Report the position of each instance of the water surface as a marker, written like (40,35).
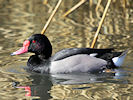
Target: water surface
(19,19)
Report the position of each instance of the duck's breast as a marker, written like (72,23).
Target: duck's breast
(77,63)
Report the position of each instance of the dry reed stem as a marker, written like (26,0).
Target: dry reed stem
(124,3)
(74,7)
(90,3)
(51,17)
(45,2)
(100,24)
(98,4)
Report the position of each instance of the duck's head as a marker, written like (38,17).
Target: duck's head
(38,44)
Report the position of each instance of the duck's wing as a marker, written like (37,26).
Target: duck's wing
(78,63)
(74,51)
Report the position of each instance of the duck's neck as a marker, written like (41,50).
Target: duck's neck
(44,57)
(36,62)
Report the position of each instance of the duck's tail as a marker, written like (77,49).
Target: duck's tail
(118,61)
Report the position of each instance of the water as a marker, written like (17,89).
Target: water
(20,19)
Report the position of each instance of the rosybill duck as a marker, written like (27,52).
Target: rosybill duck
(70,60)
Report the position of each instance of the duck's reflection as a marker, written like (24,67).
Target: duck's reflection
(39,88)
(42,83)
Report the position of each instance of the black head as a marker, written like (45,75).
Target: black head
(38,44)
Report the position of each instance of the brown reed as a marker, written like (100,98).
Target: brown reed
(100,24)
(51,17)
(74,7)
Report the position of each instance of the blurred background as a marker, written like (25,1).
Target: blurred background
(19,19)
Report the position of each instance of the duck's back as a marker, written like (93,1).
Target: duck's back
(75,51)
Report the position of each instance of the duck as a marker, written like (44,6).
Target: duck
(69,60)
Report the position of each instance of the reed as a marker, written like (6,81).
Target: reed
(45,2)
(51,17)
(98,4)
(74,7)
(100,24)
(124,3)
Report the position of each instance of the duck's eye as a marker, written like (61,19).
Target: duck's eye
(33,41)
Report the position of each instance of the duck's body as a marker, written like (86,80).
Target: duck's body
(72,60)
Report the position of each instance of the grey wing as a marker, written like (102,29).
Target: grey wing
(75,51)
(78,63)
